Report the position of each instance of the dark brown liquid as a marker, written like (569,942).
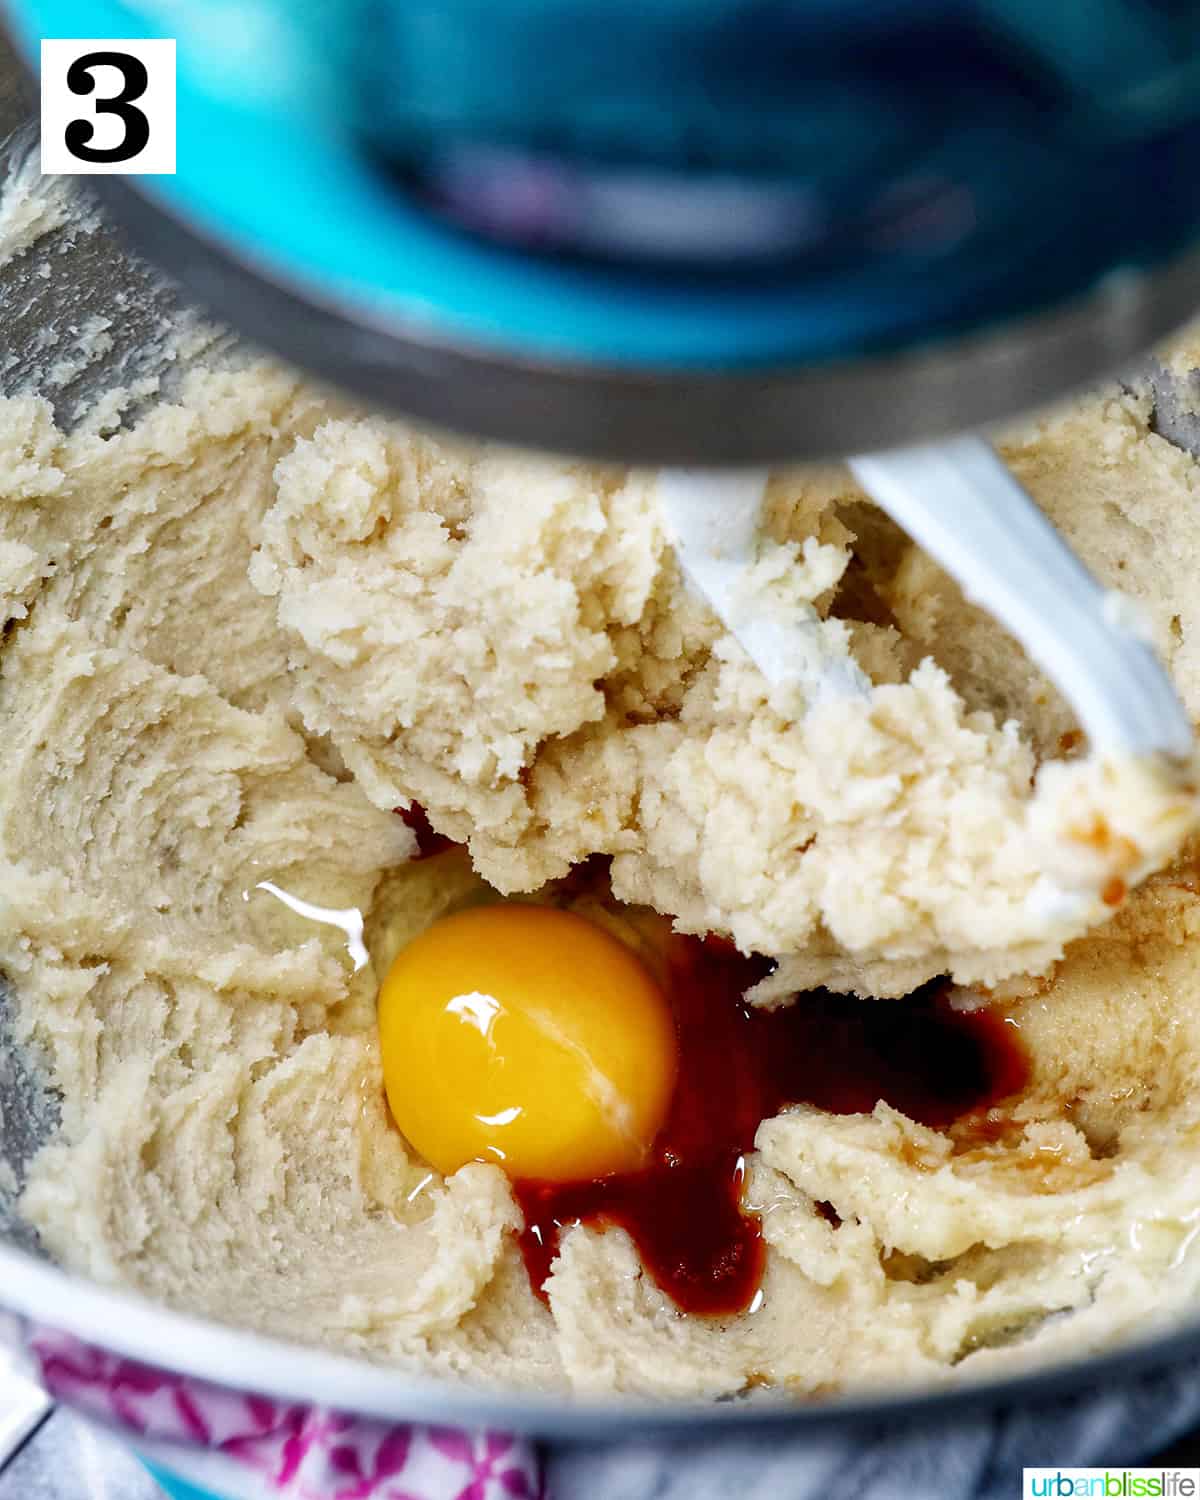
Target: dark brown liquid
(737,1067)
(429,841)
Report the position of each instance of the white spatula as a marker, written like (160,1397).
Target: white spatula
(963,506)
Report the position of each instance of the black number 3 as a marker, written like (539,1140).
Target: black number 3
(134,83)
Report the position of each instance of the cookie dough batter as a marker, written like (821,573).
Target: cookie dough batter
(242,632)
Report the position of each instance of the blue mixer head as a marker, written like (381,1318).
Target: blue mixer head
(716,231)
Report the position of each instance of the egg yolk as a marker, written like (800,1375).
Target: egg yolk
(529,1037)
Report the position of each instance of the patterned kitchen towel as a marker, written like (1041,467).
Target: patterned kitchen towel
(243,1447)
(240,1447)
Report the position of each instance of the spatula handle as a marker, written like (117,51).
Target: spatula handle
(960,502)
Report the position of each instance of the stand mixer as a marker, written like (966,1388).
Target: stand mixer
(714,233)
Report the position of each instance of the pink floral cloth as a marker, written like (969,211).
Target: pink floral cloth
(245,1447)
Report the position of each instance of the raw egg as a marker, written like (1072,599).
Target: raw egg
(529,1037)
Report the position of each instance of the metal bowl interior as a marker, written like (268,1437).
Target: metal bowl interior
(77,270)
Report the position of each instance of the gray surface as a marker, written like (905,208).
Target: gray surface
(68,1460)
(81,276)
(81,272)
(975,1458)
(1175,406)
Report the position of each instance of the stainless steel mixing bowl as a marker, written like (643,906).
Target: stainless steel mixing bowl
(80,272)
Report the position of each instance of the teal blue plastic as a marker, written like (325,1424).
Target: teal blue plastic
(824,90)
(278,180)
(178,1489)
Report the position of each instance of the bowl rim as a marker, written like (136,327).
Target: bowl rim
(139,1329)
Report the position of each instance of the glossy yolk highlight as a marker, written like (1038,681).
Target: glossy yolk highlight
(529,1037)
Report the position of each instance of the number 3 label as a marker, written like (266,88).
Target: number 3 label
(108,105)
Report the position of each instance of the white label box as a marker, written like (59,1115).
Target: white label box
(108,105)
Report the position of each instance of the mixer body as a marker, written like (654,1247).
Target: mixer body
(716,231)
